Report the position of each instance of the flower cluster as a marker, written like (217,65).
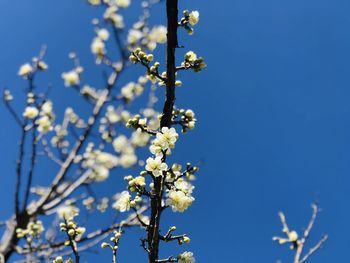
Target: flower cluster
(164,140)
(46,118)
(74,232)
(193,62)
(92,159)
(143,37)
(112,13)
(59,259)
(139,56)
(132,90)
(60,140)
(72,78)
(27,70)
(98,163)
(33,230)
(189,20)
(178,200)
(67,211)
(156,166)
(114,242)
(186,257)
(30,112)
(185,118)
(125,148)
(122,201)
(112,118)
(98,46)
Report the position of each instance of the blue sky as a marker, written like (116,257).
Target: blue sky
(273,110)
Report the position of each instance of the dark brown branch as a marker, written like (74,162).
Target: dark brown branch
(156,198)
(130,222)
(121,47)
(172,44)
(21,152)
(19,167)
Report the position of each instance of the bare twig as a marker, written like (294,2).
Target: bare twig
(314,249)
(298,244)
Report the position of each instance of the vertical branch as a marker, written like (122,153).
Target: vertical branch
(121,47)
(114,257)
(21,153)
(32,165)
(172,14)
(19,167)
(156,210)
(156,198)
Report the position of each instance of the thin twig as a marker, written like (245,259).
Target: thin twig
(314,249)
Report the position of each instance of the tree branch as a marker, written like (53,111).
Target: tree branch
(166,121)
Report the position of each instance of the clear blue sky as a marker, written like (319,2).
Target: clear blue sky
(273,109)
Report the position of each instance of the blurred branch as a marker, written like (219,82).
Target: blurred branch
(34,143)
(298,243)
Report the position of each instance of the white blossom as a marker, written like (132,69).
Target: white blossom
(110,14)
(134,36)
(166,138)
(71,78)
(138,181)
(156,150)
(186,257)
(156,166)
(25,70)
(30,112)
(47,107)
(44,124)
(122,3)
(191,56)
(140,138)
(178,200)
(158,34)
(184,186)
(194,17)
(106,159)
(131,90)
(127,160)
(189,114)
(99,163)
(122,202)
(98,47)
(120,143)
(67,211)
(112,115)
(103,34)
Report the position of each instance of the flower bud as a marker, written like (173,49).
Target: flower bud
(104,245)
(71,232)
(150,57)
(186,239)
